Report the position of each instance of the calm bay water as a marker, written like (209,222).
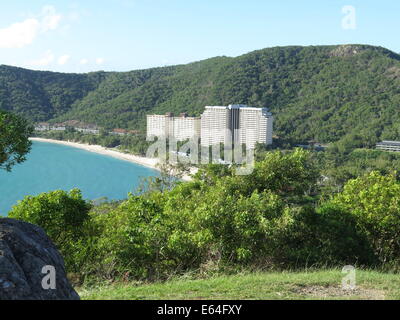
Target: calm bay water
(53,167)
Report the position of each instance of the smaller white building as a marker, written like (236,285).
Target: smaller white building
(42,126)
(58,127)
(157,125)
(386,145)
(88,130)
(185,127)
(180,128)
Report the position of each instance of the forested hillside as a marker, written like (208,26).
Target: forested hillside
(326,93)
(43,95)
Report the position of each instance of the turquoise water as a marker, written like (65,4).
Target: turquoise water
(52,166)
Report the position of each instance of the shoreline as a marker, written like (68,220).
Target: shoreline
(147,162)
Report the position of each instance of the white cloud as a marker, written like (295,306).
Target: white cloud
(84,61)
(50,18)
(63,59)
(21,34)
(44,61)
(100,61)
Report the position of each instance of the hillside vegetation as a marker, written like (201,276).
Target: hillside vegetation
(326,93)
(41,95)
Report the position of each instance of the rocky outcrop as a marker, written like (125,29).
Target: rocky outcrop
(31,267)
(346,51)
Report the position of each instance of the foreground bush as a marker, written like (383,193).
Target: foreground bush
(224,220)
(374,202)
(64,217)
(326,236)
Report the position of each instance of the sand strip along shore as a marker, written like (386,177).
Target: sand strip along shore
(147,162)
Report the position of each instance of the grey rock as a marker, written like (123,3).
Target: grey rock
(25,251)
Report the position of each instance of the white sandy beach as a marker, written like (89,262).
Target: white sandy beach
(147,162)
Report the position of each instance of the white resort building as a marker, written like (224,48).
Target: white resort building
(180,128)
(239,124)
(185,127)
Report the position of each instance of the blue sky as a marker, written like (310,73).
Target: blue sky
(122,35)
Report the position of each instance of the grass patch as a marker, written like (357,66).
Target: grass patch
(324,284)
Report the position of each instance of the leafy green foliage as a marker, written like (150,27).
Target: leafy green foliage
(133,239)
(328,235)
(14,143)
(63,216)
(220,219)
(374,200)
(39,95)
(342,166)
(294,173)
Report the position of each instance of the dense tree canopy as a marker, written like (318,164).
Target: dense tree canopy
(14,143)
(62,215)
(374,200)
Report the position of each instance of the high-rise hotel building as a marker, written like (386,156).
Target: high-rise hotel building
(233,124)
(238,124)
(180,128)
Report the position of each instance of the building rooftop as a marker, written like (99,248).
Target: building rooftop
(236,106)
(389,143)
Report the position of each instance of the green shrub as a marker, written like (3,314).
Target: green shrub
(374,201)
(326,236)
(64,217)
(238,227)
(133,239)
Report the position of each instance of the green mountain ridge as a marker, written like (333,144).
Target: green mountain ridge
(325,93)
